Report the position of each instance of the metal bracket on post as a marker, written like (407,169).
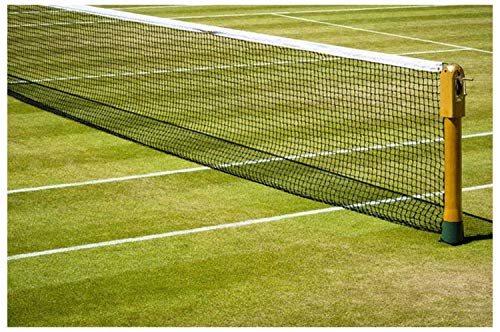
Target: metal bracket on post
(452,111)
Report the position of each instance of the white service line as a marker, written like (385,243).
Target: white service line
(216,227)
(249,162)
(302,12)
(383,33)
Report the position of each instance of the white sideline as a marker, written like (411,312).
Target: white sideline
(153,7)
(384,33)
(61,23)
(298,12)
(183,70)
(170,71)
(229,15)
(35,12)
(170,234)
(484,186)
(118,179)
(435,51)
(216,227)
(195,169)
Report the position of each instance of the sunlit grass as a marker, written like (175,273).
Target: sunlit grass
(331,269)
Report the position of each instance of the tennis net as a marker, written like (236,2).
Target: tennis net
(341,126)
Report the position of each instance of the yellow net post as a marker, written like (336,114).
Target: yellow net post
(452,110)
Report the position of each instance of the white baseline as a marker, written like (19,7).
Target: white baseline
(216,227)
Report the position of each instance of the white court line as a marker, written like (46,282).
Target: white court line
(36,12)
(220,226)
(384,33)
(124,178)
(247,14)
(170,234)
(153,7)
(301,12)
(169,71)
(222,15)
(115,8)
(330,153)
(195,169)
(60,23)
(488,133)
(484,186)
(183,70)
(435,51)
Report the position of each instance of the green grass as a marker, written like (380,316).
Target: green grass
(331,269)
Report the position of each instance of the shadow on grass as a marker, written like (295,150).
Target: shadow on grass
(477,228)
(478,237)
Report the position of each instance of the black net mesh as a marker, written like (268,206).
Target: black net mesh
(357,134)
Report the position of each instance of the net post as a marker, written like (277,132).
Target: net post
(452,111)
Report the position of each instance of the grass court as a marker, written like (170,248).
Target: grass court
(176,244)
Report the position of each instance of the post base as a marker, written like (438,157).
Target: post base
(452,232)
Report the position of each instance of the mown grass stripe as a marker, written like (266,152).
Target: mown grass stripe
(220,226)
(203,168)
